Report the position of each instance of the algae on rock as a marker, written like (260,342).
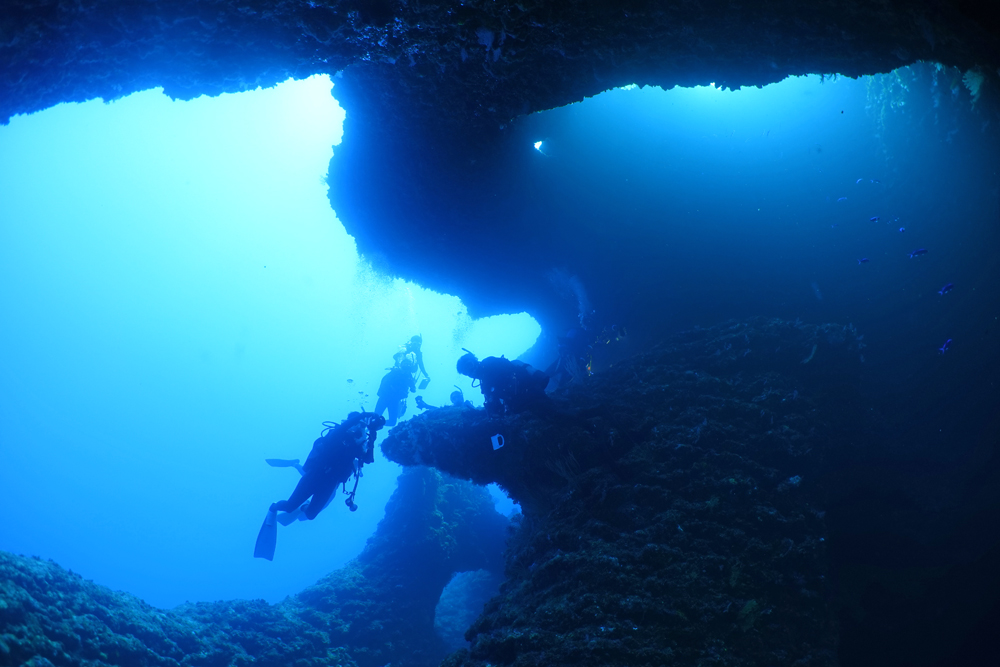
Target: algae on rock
(669,514)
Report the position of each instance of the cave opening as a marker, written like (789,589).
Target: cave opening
(461,603)
(186,306)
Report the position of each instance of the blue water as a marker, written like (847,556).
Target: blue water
(694,206)
(182,302)
(748,200)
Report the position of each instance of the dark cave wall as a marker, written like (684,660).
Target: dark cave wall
(58,51)
(468,66)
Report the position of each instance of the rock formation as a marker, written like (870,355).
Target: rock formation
(673,508)
(468,65)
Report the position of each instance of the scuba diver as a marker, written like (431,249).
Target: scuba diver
(340,451)
(413,347)
(508,386)
(574,360)
(395,387)
(457,400)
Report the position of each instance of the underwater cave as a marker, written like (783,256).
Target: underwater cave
(777,226)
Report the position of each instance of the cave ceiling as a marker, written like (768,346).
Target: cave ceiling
(434,91)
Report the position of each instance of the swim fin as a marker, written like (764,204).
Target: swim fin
(267,538)
(285,463)
(282,463)
(287,518)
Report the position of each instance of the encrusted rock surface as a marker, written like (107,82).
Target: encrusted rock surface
(376,610)
(671,508)
(464,64)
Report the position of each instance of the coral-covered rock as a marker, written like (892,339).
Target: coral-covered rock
(670,512)
(468,66)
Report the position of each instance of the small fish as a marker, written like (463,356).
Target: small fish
(918,252)
(947,288)
(902,229)
(858,181)
(863,260)
(875,180)
(874,218)
(841,198)
(944,348)
(819,295)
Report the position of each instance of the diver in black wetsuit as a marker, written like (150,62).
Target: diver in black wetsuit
(508,386)
(457,400)
(573,363)
(413,347)
(395,387)
(336,455)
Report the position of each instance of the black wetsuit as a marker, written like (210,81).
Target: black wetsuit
(459,403)
(396,385)
(330,463)
(415,349)
(573,363)
(510,386)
